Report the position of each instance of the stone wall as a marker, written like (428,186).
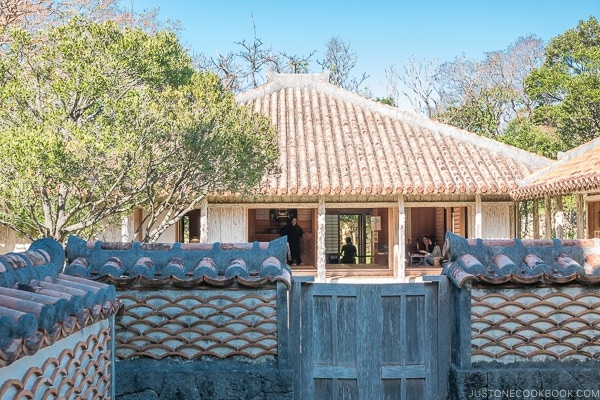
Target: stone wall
(526,319)
(199,321)
(203,344)
(146,379)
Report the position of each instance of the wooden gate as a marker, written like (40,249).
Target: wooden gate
(370,341)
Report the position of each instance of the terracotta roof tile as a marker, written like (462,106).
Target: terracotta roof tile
(577,171)
(522,262)
(184,265)
(332,141)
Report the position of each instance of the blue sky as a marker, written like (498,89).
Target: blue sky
(381,32)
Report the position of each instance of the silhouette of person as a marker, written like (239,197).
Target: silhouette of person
(348,252)
(294,233)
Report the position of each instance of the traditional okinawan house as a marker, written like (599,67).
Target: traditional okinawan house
(577,172)
(354,167)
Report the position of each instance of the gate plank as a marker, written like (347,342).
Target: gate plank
(415,389)
(283,334)
(323,389)
(431,331)
(415,329)
(294,332)
(369,331)
(403,371)
(392,389)
(306,390)
(322,330)
(444,326)
(392,333)
(347,389)
(346,341)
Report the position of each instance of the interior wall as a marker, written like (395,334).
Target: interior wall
(495,221)
(423,222)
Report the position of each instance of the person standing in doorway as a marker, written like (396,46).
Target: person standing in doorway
(294,234)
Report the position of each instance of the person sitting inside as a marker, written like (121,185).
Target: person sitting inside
(348,252)
(435,253)
(427,247)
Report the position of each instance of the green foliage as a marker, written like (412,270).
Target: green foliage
(481,96)
(522,133)
(480,114)
(387,100)
(567,86)
(96,121)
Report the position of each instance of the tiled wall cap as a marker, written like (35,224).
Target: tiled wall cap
(157,264)
(500,261)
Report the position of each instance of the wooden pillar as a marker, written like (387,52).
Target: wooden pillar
(536,219)
(194,221)
(580,217)
(204,221)
(478,217)
(548,217)
(558,218)
(321,254)
(400,262)
(515,221)
(138,229)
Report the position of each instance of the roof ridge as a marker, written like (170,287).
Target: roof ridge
(579,150)
(563,158)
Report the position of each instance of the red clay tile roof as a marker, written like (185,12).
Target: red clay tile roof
(578,171)
(333,141)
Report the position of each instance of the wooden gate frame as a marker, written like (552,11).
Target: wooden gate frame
(435,338)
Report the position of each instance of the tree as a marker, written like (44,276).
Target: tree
(522,133)
(33,15)
(96,121)
(566,88)
(340,60)
(295,64)
(417,82)
(15,13)
(481,96)
(247,68)
(484,96)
